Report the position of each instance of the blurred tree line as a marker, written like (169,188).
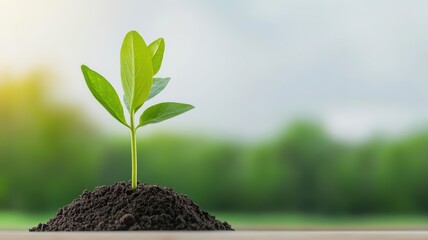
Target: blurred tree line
(49,154)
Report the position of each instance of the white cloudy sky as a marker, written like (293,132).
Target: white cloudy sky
(249,67)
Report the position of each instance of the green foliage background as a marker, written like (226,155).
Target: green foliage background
(49,155)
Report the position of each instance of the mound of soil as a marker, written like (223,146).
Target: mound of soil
(118,208)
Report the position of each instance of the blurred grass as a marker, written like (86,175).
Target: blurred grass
(321,222)
(244,221)
(18,220)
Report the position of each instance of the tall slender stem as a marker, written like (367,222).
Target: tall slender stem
(133,151)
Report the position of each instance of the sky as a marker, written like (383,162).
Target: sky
(249,67)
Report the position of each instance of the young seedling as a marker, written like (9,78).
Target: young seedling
(138,64)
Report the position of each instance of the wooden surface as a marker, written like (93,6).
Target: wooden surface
(237,235)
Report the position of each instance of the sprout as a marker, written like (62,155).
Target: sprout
(139,64)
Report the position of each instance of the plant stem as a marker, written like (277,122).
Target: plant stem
(133,151)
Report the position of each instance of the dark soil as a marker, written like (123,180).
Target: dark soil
(119,208)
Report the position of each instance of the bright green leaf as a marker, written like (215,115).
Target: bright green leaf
(104,92)
(157,48)
(136,69)
(158,85)
(163,111)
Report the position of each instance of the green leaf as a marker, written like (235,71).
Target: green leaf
(163,111)
(158,85)
(136,69)
(104,92)
(157,48)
